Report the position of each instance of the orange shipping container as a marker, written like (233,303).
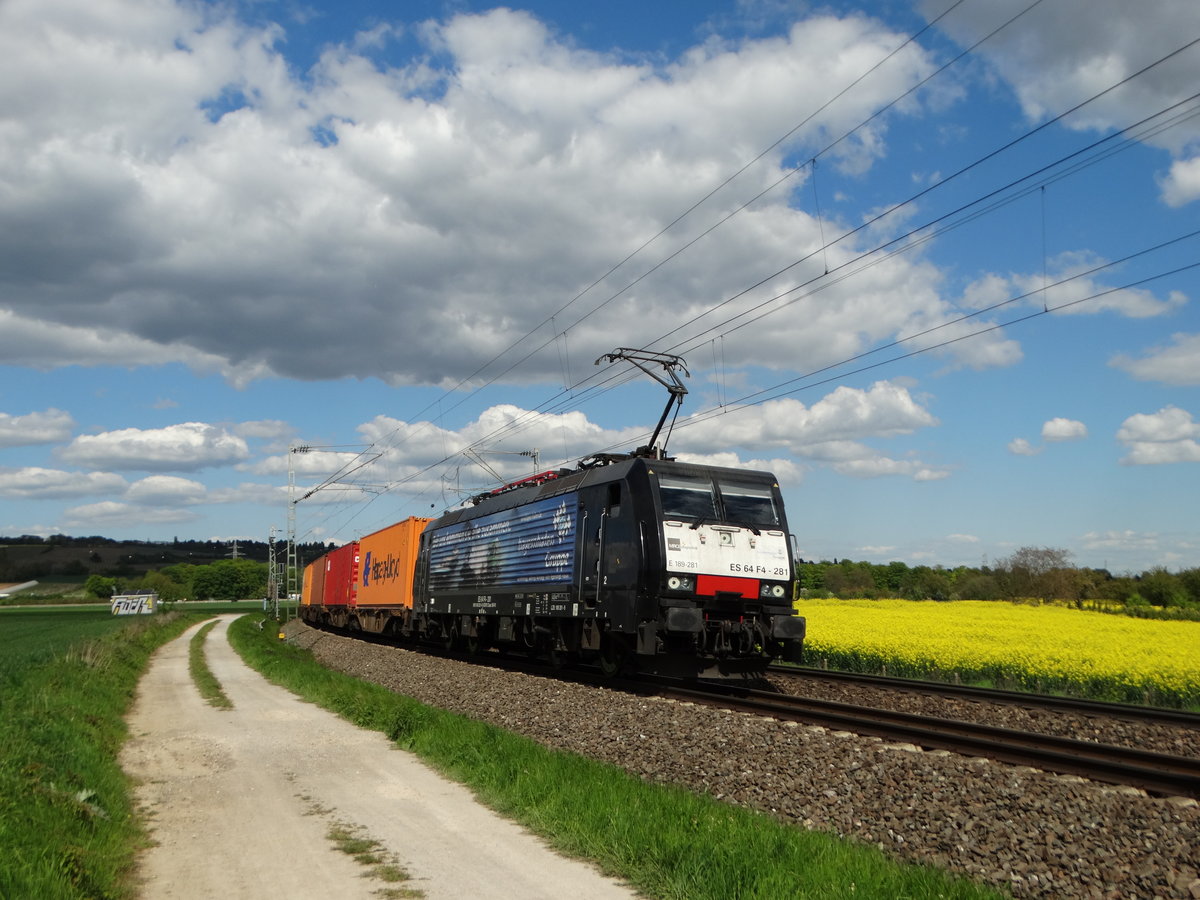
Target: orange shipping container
(312,592)
(387,560)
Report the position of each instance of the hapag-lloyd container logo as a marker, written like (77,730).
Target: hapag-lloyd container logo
(375,569)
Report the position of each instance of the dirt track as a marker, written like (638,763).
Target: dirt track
(241,802)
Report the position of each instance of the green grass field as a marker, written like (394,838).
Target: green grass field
(67,678)
(28,637)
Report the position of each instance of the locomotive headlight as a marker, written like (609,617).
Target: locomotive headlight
(679,583)
(778,591)
(674,583)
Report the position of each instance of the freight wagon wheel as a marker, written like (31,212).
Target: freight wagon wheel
(479,641)
(450,634)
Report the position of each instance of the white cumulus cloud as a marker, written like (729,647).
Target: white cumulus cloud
(1060,429)
(1181,184)
(1176,363)
(1021,447)
(46,427)
(35,482)
(166,490)
(171,183)
(187,447)
(1167,436)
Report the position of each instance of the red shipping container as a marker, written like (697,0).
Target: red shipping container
(341,575)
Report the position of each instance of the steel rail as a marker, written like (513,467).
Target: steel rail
(1156,773)
(993,695)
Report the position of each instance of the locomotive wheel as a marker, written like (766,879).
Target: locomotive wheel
(449,634)
(614,655)
(561,659)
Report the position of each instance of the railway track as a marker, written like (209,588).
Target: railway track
(991,695)
(1157,773)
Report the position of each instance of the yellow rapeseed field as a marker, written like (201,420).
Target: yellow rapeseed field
(1047,648)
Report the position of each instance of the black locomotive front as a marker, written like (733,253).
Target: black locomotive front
(651,563)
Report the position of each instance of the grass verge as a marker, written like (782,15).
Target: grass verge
(206,682)
(665,841)
(67,826)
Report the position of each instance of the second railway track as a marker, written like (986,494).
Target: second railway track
(1156,773)
(1023,699)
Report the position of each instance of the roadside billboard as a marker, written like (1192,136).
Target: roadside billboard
(134,604)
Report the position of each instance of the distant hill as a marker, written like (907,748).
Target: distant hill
(30,557)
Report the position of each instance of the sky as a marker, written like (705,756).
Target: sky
(935,264)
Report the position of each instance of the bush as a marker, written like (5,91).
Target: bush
(100,586)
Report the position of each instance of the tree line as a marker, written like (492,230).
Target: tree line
(1031,572)
(34,558)
(226,579)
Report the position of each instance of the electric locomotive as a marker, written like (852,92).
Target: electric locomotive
(635,561)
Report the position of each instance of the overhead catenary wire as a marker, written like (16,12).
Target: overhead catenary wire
(531,415)
(922,193)
(765,394)
(924,232)
(746,204)
(757,398)
(509,428)
(876,219)
(683,215)
(927,230)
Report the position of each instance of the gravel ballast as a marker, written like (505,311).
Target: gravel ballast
(1031,832)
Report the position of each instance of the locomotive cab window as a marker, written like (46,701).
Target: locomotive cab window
(684,497)
(749,504)
(614,500)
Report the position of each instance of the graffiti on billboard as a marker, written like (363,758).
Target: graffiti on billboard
(134,604)
(531,544)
